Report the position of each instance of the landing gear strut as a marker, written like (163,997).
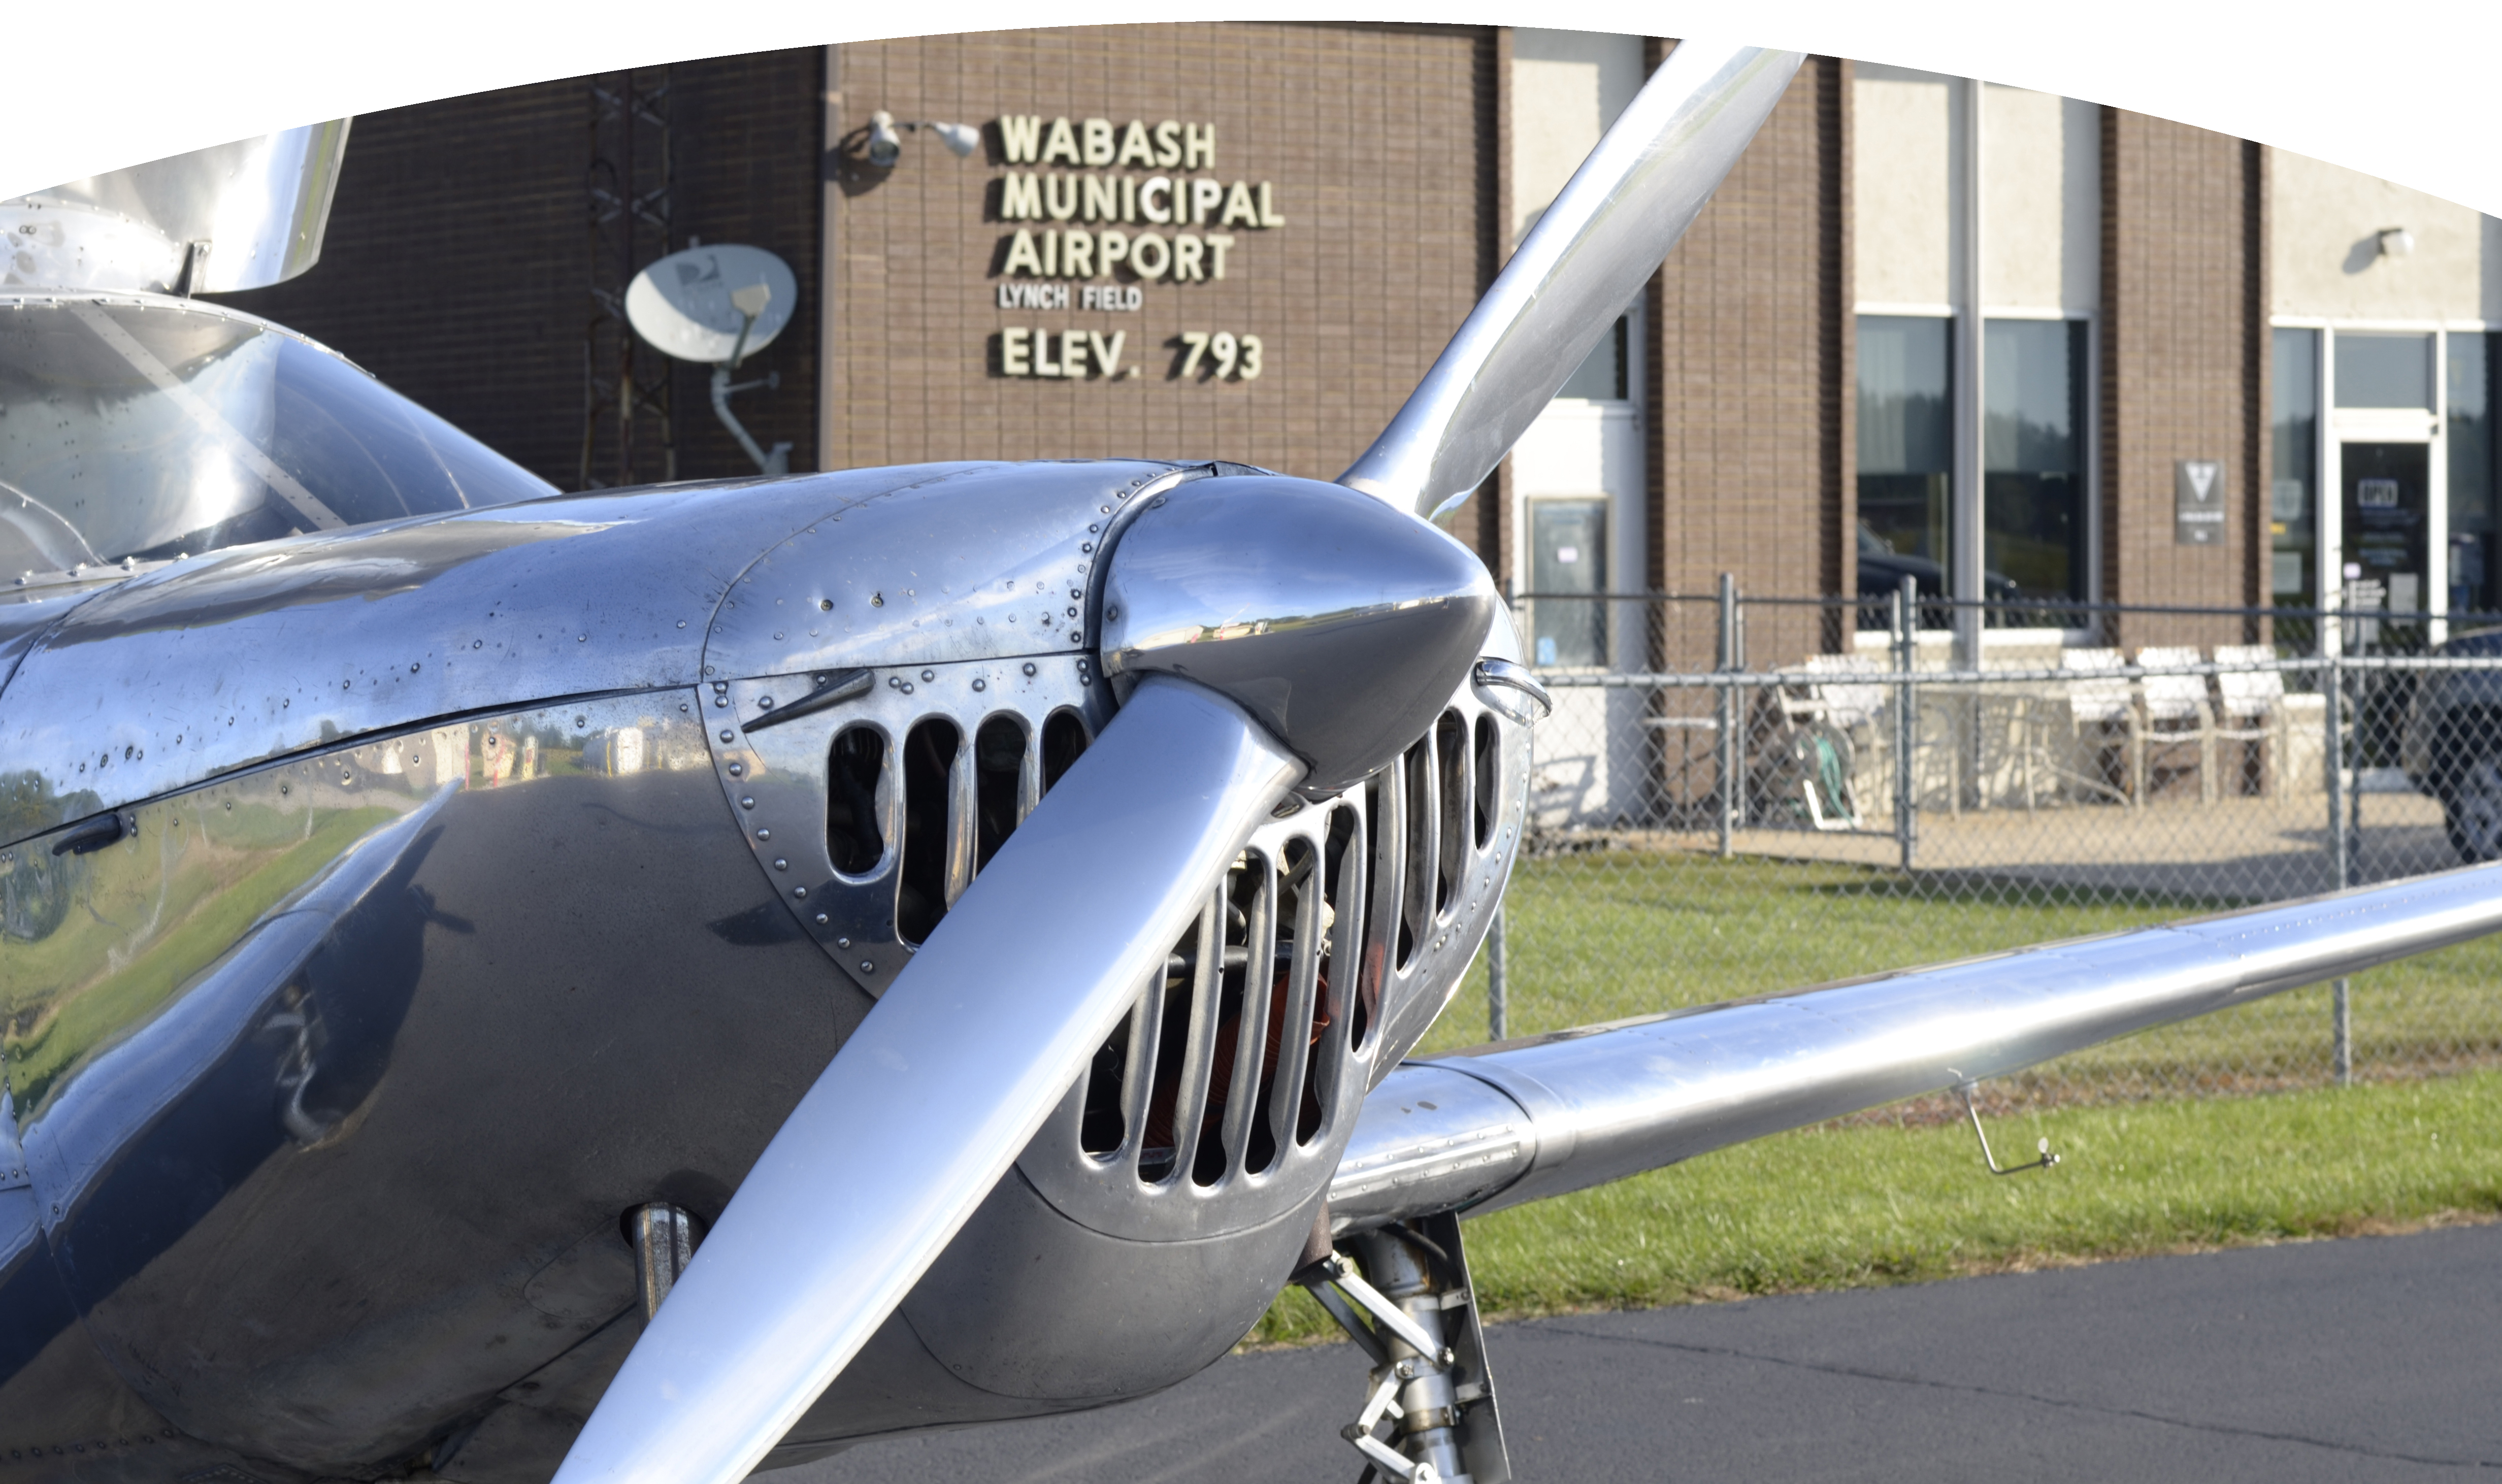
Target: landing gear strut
(1416,1319)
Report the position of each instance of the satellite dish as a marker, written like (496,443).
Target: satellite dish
(716,305)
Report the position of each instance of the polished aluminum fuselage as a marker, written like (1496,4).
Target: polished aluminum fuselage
(463,892)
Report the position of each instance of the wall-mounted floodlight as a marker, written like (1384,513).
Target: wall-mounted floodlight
(883,143)
(2396,242)
(717,305)
(886,138)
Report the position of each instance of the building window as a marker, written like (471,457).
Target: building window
(1906,451)
(1600,377)
(2472,473)
(2034,507)
(1568,545)
(2293,491)
(2384,370)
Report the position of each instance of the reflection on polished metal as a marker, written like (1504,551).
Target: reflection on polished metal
(1342,627)
(409,909)
(589,595)
(12,1153)
(552,594)
(829,1230)
(224,430)
(1589,255)
(237,215)
(664,1242)
(1537,1119)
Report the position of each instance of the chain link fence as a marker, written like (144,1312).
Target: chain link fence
(1737,796)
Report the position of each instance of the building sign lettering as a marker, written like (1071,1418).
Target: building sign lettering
(1071,353)
(1114,298)
(1132,204)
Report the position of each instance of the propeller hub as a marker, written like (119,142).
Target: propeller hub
(1341,625)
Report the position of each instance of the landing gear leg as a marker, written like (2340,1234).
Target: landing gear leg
(1416,1319)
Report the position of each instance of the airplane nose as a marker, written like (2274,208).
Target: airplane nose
(1341,625)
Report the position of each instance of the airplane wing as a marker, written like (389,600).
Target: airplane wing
(1501,1125)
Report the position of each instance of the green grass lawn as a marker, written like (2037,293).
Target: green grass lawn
(1843,1207)
(1605,935)
(1601,936)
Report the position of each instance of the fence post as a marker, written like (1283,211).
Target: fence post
(1907,718)
(2341,860)
(2341,1040)
(1733,750)
(2340,848)
(1497,991)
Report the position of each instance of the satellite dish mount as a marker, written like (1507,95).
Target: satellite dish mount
(717,306)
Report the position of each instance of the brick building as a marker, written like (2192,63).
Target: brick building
(2019,346)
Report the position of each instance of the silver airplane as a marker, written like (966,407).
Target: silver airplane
(641,987)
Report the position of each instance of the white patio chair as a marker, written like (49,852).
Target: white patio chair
(2251,709)
(1845,700)
(2176,714)
(2102,700)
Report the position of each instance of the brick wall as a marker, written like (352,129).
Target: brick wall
(1374,140)
(456,266)
(750,140)
(1750,377)
(2179,339)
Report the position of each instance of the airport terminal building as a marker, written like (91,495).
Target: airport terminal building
(2028,346)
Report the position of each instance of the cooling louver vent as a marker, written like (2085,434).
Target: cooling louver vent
(872,816)
(1224,1095)
(1229,1089)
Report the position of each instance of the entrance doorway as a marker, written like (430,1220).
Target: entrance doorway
(2388,510)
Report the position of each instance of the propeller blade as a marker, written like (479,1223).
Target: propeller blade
(931,1100)
(1588,255)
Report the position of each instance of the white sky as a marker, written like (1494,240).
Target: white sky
(2407,97)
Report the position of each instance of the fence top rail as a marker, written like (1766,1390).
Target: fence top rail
(2060,606)
(1712,679)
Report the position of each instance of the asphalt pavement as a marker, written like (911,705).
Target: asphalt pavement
(2365,1359)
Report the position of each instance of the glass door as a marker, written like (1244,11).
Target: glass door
(1567,557)
(2388,512)
(2384,447)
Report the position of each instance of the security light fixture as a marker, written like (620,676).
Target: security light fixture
(2396,242)
(883,143)
(886,138)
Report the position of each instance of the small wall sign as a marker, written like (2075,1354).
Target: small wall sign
(2197,502)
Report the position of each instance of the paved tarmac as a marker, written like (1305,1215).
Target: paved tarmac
(2367,1359)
